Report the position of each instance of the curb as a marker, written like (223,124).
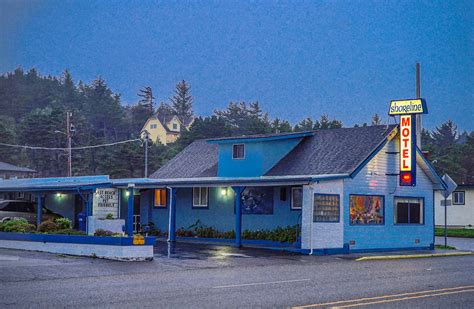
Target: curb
(411,256)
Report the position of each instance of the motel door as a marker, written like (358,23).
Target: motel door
(136,214)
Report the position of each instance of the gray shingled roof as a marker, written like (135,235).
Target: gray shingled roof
(335,151)
(197,160)
(13,168)
(332,151)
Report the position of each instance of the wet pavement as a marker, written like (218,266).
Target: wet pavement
(190,275)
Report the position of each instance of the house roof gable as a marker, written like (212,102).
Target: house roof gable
(326,152)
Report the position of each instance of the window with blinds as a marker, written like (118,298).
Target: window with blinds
(326,208)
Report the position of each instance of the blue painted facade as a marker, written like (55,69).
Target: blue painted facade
(372,180)
(260,156)
(220,213)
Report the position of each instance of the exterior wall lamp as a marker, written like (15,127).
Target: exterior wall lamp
(224,191)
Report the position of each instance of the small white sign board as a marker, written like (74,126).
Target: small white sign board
(106,201)
(448,202)
(451,185)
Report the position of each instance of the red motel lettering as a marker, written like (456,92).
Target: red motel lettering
(405,143)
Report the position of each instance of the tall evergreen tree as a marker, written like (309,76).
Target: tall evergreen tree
(147,100)
(376,120)
(182,102)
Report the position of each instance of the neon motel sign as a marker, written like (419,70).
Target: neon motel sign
(407,109)
(407,150)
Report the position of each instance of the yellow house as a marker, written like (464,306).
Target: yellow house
(165,129)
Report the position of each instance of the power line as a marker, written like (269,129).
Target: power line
(73,148)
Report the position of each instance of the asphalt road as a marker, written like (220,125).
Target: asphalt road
(223,277)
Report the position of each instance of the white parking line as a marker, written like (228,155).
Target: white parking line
(259,283)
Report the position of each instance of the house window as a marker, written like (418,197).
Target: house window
(408,210)
(200,197)
(297,198)
(160,198)
(458,198)
(153,126)
(175,126)
(366,209)
(238,151)
(326,208)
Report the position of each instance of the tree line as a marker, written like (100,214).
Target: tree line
(33,109)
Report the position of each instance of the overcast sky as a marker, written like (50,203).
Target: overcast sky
(299,59)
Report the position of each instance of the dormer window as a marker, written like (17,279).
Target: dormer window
(175,126)
(238,151)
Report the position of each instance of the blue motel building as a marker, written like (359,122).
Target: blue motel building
(339,187)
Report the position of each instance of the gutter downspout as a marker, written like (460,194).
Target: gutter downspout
(311,190)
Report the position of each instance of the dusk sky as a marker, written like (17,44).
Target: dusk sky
(299,59)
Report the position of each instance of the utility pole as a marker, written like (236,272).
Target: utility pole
(418,96)
(145,135)
(69,143)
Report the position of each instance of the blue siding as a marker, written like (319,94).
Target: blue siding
(259,157)
(372,179)
(220,213)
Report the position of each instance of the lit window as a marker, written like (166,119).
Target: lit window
(326,208)
(296,198)
(238,151)
(366,209)
(200,197)
(160,198)
(408,210)
(458,198)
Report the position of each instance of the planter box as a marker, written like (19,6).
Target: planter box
(114,248)
(94,224)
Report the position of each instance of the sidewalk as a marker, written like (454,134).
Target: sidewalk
(458,242)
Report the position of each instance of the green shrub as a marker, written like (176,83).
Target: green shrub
(102,232)
(63,223)
(109,217)
(70,232)
(153,231)
(49,226)
(17,225)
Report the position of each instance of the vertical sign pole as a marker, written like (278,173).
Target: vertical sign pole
(418,96)
(445,221)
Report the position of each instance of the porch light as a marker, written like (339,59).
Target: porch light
(58,195)
(127,193)
(224,191)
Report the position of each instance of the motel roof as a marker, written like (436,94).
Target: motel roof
(321,152)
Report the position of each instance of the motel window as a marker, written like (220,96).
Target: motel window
(366,209)
(238,151)
(408,210)
(160,198)
(200,197)
(326,208)
(297,198)
(458,198)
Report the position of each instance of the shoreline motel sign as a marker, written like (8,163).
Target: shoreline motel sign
(407,109)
